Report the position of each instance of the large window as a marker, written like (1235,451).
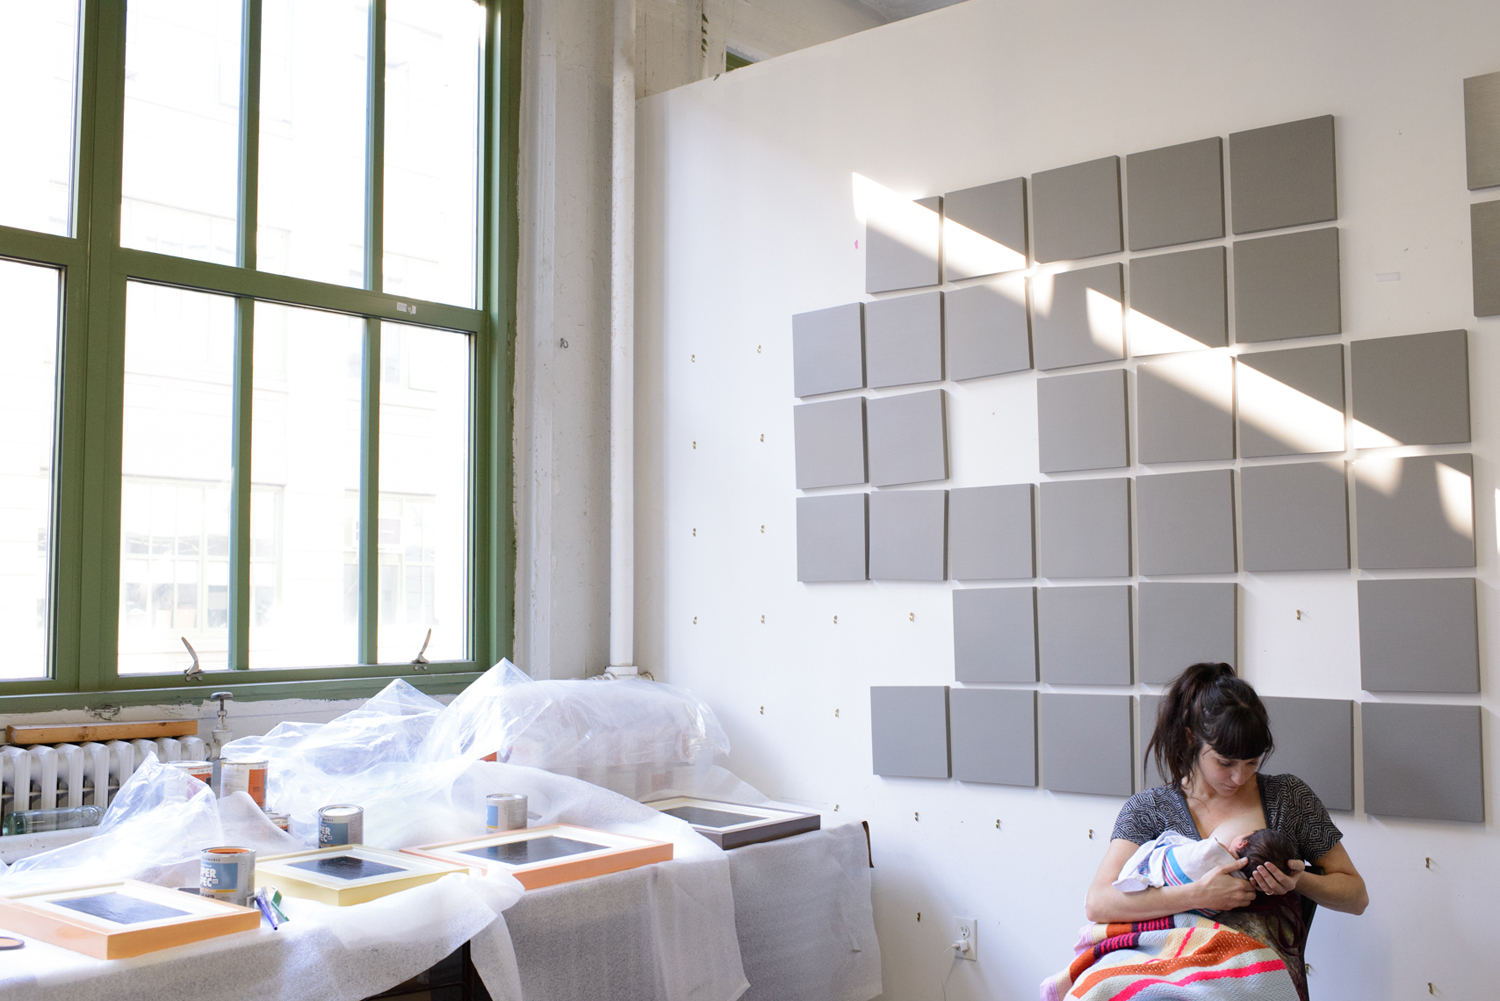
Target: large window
(258,263)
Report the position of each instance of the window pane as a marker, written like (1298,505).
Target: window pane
(305,464)
(182,108)
(424,512)
(174,499)
(312,139)
(432,63)
(38,55)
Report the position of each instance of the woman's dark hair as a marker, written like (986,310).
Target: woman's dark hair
(1266,845)
(1207,704)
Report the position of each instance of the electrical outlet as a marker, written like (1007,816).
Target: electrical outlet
(966,930)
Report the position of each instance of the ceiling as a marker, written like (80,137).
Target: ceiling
(895,10)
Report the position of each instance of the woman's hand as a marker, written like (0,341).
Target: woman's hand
(1217,890)
(1272,881)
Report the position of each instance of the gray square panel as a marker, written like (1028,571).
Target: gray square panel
(828,353)
(989,533)
(1176,194)
(1482,129)
(1081,421)
(1282,175)
(908,438)
(902,242)
(1185,522)
(1075,319)
(1178,302)
(987,329)
(1411,390)
(994,635)
(994,736)
(1287,286)
(1180,625)
(1295,516)
(830,439)
(1076,210)
(1422,761)
(904,340)
(1185,408)
(909,731)
(1290,402)
(1083,634)
(1484,238)
(1086,744)
(908,534)
(831,537)
(1418,635)
(1084,528)
(1415,512)
(1145,769)
(1314,741)
(984,230)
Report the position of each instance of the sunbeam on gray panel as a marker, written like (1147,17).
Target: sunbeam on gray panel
(1078,317)
(1295,516)
(989,532)
(828,350)
(987,329)
(904,340)
(1482,130)
(908,534)
(1418,635)
(1086,744)
(1084,528)
(1282,175)
(1185,408)
(984,230)
(1484,237)
(1287,286)
(1081,421)
(1177,302)
(830,440)
(902,242)
(994,635)
(1314,741)
(831,538)
(1185,522)
(1183,624)
(1290,402)
(909,731)
(1422,761)
(1076,210)
(994,736)
(1083,634)
(1415,512)
(1411,390)
(907,438)
(1176,194)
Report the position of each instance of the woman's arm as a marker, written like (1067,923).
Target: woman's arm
(1340,887)
(1216,891)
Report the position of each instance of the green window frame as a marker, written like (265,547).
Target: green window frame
(95,270)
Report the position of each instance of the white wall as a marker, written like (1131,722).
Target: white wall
(747,215)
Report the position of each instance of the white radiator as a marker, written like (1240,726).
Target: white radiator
(56,776)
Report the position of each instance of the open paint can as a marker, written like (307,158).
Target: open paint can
(203,771)
(341,824)
(281,820)
(244,776)
(228,874)
(505,811)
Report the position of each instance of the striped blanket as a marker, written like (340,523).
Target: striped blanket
(1183,956)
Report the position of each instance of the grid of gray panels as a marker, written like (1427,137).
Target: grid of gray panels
(828,353)
(1083,634)
(1185,522)
(994,635)
(831,537)
(1418,635)
(1076,210)
(1084,528)
(1484,237)
(1081,421)
(1282,175)
(989,532)
(904,340)
(994,736)
(1422,761)
(987,329)
(1184,624)
(1086,744)
(1295,516)
(1482,130)
(1066,330)
(1314,740)
(992,237)
(830,442)
(1176,194)
(902,246)
(909,731)
(1178,302)
(908,439)
(1287,286)
(1185,407)
(1290,402)
(1415,512)
(1411,390)
(908,534)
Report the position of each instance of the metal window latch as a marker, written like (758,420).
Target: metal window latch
(194,672)
(420,662)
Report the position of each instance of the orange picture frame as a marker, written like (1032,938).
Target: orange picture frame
(573,853)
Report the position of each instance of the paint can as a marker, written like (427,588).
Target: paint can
(281,820)
(505,811)
(244,776)
(228,874)
(341,824)
(203,771)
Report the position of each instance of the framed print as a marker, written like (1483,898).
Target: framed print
(734,825)
(542,856)
(124,918)
(348,874)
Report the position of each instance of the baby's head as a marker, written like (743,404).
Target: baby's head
(1262,846)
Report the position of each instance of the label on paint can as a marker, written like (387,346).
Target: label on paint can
(203,771)
(505,811)
(227,874)
(341,824)
(244,776)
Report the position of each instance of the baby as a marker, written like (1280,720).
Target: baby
(1172,860)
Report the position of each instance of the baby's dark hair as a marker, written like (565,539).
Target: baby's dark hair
(1266,845)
